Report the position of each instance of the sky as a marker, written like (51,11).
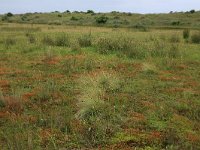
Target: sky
(135,6)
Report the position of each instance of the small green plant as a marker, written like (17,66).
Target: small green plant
(195,38)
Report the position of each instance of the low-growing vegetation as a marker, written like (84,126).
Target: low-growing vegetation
(80,87)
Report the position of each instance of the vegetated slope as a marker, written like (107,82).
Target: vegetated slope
(113,19)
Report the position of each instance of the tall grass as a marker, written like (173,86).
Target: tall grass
(195,38)
(97,114)
(123,45)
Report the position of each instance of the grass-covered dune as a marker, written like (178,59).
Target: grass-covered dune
(73,87)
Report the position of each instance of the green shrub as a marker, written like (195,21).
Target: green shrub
(186,34)
(9,14)
(74,18)
(85,40)
(62,40)
(195,38)
(175,23)
(101,20)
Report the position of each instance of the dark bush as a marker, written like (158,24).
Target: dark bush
(9,14)
(192,11)
(74,18)
(90,12)
(101,20)
(175,23)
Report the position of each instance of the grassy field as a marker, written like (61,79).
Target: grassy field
(76,87)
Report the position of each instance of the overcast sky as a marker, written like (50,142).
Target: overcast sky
(137,6)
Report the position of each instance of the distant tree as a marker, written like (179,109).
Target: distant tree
(9,14)
(101,20)
(192,11)
(67,11)
(171,12)
(90,12)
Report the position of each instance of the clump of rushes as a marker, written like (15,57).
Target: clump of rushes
(47,40)
(123,45)
(9,41)
(85,40)
(186,34)
(99,118)
(62,40)
(195,38)
(75,46)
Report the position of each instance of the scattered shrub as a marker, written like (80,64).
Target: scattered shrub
(186,34)
(195,38)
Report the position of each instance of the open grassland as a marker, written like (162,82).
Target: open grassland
(65,87)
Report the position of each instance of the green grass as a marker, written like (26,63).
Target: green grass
(72,87)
